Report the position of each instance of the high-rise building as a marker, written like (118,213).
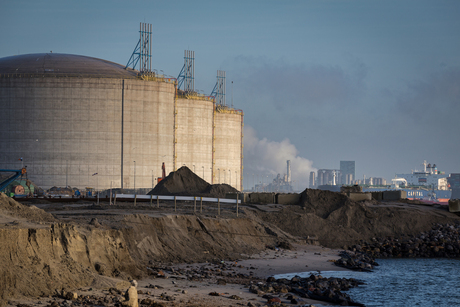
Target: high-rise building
(347,169)
(312,180)
(329,177)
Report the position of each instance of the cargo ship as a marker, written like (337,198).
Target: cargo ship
(429,184)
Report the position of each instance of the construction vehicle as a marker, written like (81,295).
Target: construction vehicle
(16,173)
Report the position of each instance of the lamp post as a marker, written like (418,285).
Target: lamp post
(66,173)
(97,188)
(97,185)
(110,201)
(134,183)
(236,180)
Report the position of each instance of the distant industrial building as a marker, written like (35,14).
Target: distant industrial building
(328,177)
(347,169)
(336,177)
(312,180)
(279,183)
(374,181)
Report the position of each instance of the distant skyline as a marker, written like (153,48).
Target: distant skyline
(375,82)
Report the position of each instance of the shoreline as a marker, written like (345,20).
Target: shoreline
(173,286)
(302,258)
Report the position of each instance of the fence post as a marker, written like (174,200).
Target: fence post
(151,197)
(201,204)
(194,204)
(158,201)
(135,197)
(218,206)
(174,203)
(115,200)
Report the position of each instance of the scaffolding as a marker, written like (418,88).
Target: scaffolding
(219,89)
(187,74)
(142,53)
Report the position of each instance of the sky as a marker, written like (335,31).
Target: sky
(376,82)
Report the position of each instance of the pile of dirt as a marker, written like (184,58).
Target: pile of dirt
(322,202)
(337,221)
(11,208)
(351,189)
(218,190)
(184,182)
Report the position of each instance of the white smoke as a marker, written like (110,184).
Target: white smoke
(263,158)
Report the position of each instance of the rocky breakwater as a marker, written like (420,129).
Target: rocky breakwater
(442,241)
(356,261)
(314,287)
(218,272)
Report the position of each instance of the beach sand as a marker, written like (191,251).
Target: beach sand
(303,258)
(174,289)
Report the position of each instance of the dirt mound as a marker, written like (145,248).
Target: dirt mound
(218,190)
(322,202)
(185,182)
(10,207)
(337,221)
(181,182)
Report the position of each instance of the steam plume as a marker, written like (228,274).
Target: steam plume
(263,157)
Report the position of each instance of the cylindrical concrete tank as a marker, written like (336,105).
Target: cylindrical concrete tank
(82,122)
(85,122)
(228,151)
(194,116)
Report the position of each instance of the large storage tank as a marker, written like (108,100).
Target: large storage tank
(86,122)
(194,134)
(228,147)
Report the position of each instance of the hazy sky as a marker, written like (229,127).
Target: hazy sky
(377,82)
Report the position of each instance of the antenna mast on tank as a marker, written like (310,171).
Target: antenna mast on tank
(142,54)
(187,74)
(219,89)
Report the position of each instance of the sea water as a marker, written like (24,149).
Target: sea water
(404,282)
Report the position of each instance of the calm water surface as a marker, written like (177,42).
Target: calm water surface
(405,282)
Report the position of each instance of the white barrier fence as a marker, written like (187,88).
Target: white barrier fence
(135,198)
(189,198)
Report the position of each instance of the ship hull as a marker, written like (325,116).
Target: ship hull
(419,194)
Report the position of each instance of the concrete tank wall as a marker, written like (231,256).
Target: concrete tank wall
(194,121)
(148,131)
(67,129)
(228,147)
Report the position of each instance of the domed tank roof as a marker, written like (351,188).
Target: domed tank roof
(59,64)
